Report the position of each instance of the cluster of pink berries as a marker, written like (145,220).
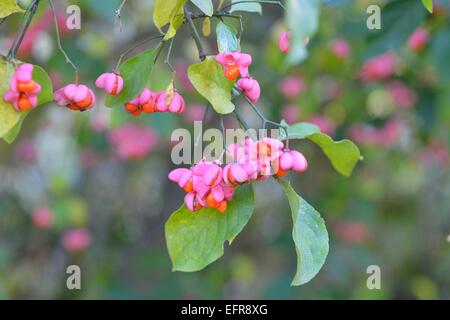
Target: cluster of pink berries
(79,97)
(236,65)
(209,185)
(23,89)
(149,102)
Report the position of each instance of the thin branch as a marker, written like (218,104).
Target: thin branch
(264,120)
(169,51)
(195,34)
(222,127)
(125,53)
(23,28)
(58,41)
(241,120)
(118,14)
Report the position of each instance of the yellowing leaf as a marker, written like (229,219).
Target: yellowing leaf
(8,7)
(169,93)
(209,80)
(10,119)
(428,4)
(168,11)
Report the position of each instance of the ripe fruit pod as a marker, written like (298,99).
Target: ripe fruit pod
(111,82)
(23,91)
(75,97)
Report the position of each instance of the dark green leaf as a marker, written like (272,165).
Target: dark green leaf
(136,73)
(310,237)
(300,130)
(196,239)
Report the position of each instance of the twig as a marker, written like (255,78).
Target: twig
(58,41)
(241,120)
(264,120)
(205,114)
(23,28)
(195,34)
(169,51)
(222,127)
(118,13)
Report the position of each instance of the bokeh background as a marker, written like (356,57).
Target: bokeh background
(91,189)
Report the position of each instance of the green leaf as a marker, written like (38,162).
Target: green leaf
(205,6)
(8,115)
(135,73)
(209,80)
(41,77)
(12,134)
(162,12)
(300,130)
(8,7)
(196,239)
(227,40)
(310,237)
(168,11)
(428,4)
(246,7)
(343,154)
(302,19)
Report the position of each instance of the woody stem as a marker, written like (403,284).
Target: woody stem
(194,33)
(24,25)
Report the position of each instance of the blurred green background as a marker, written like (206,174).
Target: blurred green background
(72,194)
